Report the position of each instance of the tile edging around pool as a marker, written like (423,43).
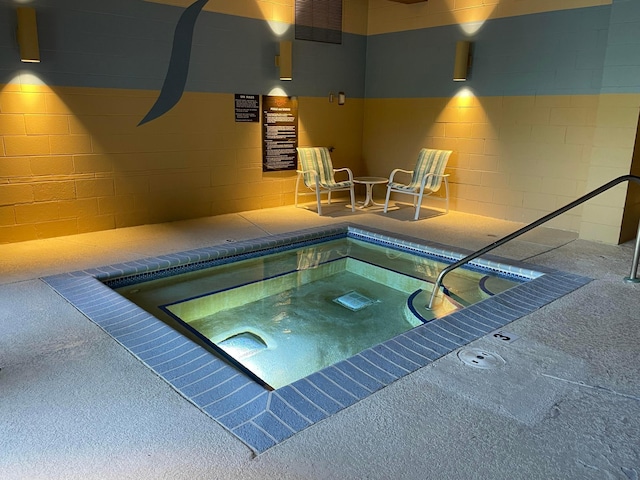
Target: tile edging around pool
(261,418)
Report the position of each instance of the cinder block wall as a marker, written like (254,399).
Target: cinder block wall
(516,158)
(77,162)
(549,111)
(73,157)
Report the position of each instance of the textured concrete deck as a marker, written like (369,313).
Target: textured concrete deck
(566,404)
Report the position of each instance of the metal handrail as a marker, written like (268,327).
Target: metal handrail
(634,264)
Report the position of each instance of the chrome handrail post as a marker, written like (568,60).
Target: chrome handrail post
(632,278)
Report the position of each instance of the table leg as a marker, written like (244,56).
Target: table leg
(368,200)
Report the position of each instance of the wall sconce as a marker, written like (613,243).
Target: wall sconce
(284,61)
(27,34)
(462,61)
(341,97)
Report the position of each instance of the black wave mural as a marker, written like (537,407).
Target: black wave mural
(176,77)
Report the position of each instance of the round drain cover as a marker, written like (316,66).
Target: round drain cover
(479,358)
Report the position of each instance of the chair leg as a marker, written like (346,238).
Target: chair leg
(353,199)
(297,187)
(386,200)
(318,200)
(446,194)
(418,205)
(329,198)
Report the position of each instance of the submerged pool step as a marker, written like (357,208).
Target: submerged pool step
(243,345)
(417,313)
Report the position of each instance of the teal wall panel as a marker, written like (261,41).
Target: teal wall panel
(553,53)
(128,43)
(622,58)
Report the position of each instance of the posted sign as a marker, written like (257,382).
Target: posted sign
(279,133)
(247,107)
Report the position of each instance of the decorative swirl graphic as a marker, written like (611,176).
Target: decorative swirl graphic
(176,78)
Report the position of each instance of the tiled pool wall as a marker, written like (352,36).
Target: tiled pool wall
(263,418)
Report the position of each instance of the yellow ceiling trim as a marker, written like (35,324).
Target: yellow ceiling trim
(385,16)
(354,11)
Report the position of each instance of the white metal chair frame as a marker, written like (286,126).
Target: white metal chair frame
(318,175)
(433,168)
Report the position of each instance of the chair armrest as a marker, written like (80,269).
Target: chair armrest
(345,169)
(398,170)
(424,179)
(314,177)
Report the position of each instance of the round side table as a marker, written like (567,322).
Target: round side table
(369,182)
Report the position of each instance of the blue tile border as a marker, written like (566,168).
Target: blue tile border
(262,418)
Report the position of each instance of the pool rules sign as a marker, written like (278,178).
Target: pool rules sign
(279,133)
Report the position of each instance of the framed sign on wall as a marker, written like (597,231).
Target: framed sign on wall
(247,107)
(279,133)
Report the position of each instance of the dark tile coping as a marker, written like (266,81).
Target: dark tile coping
(263,418)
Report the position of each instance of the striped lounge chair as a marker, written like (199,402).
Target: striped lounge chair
(317,173)
(426,178)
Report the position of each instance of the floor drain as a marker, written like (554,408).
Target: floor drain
(479,358)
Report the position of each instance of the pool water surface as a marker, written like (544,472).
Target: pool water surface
(283,316)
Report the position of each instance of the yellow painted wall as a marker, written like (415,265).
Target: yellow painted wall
(610,156)
(631,217)
(516,158)
(72,160)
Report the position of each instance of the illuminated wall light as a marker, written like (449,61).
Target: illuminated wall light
(284,60)
(462,61)
(27,34)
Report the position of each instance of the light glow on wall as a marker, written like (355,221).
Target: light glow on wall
(454,111)
(464,97)
(277,92)
(34,97)
(471,20)
(471,28)
(25,77)
(30,87)
(464,108)
(279,28)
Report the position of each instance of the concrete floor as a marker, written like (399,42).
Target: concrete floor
(566,405)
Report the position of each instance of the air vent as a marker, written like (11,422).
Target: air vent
(354,301)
